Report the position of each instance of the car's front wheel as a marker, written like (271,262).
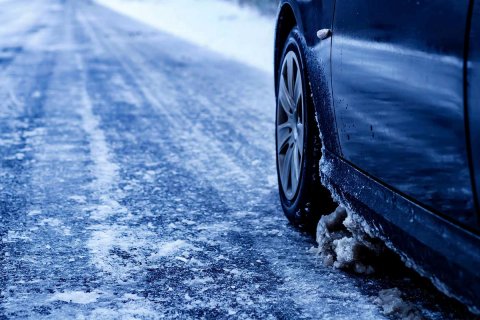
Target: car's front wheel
(298,144)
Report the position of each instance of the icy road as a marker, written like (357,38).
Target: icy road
(138,180)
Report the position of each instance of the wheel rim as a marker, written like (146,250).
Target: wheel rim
(290,129)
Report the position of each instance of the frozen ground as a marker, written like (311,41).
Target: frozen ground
(137,180)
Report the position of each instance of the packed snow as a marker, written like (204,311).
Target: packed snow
(241,33)
(344,244)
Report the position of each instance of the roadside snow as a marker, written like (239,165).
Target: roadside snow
(237,32)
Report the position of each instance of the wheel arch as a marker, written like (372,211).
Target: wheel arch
(287,19)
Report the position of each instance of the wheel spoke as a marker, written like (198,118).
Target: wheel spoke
(287,164)
(284,98)
(300,138)
(290,74)
(295,166)
(284,135)
(298,92)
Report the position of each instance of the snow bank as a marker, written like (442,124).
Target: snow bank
(240,33)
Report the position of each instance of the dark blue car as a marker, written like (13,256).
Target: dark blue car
(387,95)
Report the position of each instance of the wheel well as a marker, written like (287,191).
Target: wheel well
(285,23)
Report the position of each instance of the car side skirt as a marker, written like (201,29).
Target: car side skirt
(435,247)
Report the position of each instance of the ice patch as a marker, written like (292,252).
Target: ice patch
(79,297)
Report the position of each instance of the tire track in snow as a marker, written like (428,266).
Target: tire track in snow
(106,231)
(105,173)
(110,223)
(32,261)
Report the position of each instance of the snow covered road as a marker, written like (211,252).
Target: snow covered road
(138,180)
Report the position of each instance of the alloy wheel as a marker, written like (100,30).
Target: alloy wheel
(290,125)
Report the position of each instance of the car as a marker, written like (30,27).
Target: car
(378,108)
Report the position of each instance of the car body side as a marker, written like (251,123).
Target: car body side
(445,249)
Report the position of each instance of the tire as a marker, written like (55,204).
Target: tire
(304,203)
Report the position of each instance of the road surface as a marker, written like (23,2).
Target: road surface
(138,180)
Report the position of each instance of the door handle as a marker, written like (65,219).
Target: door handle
(323,34)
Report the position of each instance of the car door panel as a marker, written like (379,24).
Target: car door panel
(397,81)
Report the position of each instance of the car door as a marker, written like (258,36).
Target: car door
(397,81)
